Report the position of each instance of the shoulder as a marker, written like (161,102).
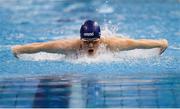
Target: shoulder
(70,43)
(72,40)
(64,43)
(115,42)
(109,40)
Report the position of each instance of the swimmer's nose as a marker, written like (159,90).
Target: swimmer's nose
(90,45)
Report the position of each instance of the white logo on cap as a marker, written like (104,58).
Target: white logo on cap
(88,34)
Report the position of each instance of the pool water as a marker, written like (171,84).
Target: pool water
(136,78)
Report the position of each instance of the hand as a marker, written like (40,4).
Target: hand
(163,46)
(15,50)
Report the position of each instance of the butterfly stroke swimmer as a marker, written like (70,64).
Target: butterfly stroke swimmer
(89,42)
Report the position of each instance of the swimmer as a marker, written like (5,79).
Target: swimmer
(89,42)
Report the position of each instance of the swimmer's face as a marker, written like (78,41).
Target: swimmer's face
(90,46)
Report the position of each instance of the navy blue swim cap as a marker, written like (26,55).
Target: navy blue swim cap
(90,30)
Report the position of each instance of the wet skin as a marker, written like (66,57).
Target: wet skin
(90,46)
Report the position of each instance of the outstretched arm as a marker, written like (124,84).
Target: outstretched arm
(129,44)
(59,46)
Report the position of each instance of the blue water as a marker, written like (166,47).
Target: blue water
(137,78)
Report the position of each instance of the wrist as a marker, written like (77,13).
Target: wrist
(164,43)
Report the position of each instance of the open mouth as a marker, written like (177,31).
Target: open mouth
(90,51)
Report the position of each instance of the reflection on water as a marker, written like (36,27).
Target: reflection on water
(141,90)
(52,92)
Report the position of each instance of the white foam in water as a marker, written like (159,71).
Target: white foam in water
(42,56)
(109,57)
(102,56)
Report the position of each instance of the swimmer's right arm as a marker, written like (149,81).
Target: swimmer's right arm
(28,48)
(58,46)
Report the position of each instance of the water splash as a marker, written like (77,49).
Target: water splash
(109,30)
(103,56)
(42,56)
(106,56)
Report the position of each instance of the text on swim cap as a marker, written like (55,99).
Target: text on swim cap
(88,34)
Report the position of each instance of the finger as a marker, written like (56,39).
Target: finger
(15,55)
(162,50)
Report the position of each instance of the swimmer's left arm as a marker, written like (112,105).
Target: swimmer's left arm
(129,44)
(149,43)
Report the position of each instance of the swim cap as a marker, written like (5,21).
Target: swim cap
(90,30)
